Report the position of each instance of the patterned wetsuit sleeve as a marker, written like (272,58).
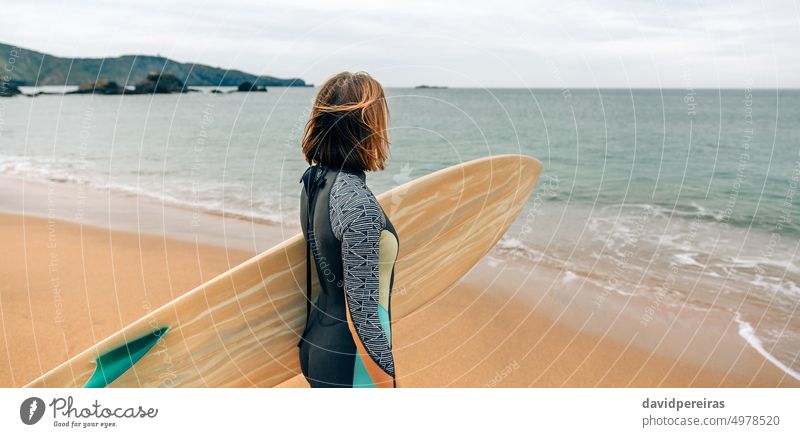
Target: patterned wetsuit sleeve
(357,220)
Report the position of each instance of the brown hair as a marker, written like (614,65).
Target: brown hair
(348,124)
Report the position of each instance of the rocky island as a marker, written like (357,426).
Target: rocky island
(159,83)
(103,86)
(9,88)
(26,67)
(248,87)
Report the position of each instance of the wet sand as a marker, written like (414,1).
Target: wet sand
(72,276)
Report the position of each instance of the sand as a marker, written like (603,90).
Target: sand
(68,283)
(66,287)
(476,337)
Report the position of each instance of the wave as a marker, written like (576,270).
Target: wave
(41,169)
(747,332)
(767,219)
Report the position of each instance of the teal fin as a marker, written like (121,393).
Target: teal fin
(116,362)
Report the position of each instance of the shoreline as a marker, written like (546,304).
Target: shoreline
(117,210)
(91,266)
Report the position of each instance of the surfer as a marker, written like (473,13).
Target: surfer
(347,340)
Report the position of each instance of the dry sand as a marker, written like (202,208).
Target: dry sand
(65,286)
(476,337)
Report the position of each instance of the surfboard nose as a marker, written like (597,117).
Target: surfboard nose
(525,167)
(526,163)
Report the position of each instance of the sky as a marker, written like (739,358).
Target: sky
(493,43)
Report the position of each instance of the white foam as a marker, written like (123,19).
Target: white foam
(204,205)
(515,246)
(747,332)
(492,261)
(687,259)
(763,261)
(63,170)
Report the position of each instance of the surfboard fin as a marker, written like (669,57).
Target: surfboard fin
(114,363)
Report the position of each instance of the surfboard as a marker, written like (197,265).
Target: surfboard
(241,328)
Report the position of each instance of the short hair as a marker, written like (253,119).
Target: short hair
(347,128)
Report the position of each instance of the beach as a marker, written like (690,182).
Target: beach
(659,247)
(82,263)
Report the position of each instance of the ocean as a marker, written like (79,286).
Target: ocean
(687,197)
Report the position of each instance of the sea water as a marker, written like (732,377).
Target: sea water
(688,197)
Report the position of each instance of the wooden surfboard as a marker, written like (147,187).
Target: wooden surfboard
(241,328)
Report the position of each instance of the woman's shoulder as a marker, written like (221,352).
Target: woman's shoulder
(352,204)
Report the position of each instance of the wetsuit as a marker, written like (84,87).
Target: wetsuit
(347,341)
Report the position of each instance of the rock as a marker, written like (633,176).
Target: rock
(103,86)
(246,87)
(9,88)
(164,83)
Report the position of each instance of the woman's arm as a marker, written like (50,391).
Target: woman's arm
(358,221)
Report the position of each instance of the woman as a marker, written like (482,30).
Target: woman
(347,341)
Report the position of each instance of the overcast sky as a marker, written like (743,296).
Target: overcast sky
(493,43)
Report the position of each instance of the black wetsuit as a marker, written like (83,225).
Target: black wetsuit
(347,339)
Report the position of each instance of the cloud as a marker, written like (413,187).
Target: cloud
(613,43)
